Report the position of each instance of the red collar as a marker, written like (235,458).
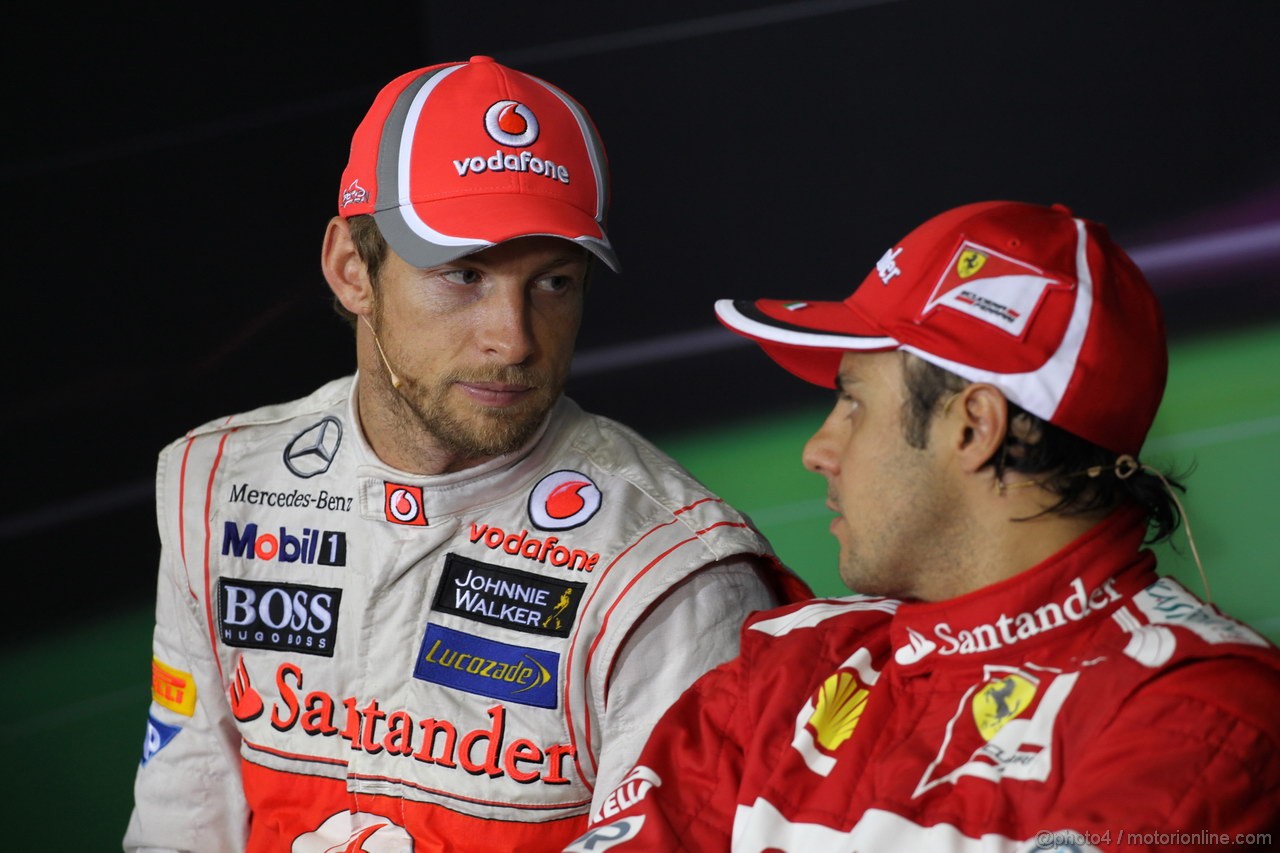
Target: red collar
(1079,584)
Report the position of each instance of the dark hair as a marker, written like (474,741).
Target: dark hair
(371,246)
(1084,477)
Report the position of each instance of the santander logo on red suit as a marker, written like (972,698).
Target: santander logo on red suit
(1007,630)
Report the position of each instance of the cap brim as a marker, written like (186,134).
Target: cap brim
(428,234)
(806,338)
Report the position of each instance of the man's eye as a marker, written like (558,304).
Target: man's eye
(553,283)
(460,276)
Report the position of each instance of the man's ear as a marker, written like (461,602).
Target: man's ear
(981,414)
(346,273)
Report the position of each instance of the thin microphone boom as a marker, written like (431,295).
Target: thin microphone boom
(395,380)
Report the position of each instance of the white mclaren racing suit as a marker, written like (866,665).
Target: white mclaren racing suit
(349,657)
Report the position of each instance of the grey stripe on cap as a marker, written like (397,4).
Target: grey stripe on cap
(419,249)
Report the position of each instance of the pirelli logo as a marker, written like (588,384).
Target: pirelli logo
(172,688)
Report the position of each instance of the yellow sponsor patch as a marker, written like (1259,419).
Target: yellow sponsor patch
(841,701)
(999,702)
(172,688)
(970,262)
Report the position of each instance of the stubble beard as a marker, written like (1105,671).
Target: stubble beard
(916,545)
(468,430)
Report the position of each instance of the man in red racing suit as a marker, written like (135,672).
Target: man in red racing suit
(1016,676)
(1084,700)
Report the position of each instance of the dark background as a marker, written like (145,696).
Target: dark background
(168,170)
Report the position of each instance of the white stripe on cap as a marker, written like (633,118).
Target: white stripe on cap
(403,191)
(1040,391)
(735,319)
(597,168)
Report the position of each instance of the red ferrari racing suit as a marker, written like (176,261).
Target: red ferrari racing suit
(1084,704)
(351,657)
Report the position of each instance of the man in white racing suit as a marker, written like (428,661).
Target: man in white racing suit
(434,605)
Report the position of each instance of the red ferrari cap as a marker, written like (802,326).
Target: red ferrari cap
(454,158)
(1040,304)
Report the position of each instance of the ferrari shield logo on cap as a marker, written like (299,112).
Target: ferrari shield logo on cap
(971,260)
(991,287)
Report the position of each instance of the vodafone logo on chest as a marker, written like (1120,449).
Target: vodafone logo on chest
(403,505)
(563,500)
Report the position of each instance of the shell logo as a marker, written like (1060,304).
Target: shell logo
(840,704)
(511,123)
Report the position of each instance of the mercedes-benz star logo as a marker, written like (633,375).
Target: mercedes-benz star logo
(311,452)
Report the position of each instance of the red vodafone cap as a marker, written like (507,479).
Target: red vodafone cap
(455,158)
(1040,304)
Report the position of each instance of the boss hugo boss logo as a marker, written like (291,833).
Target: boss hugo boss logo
(511,123)
(563,500)
(312,451)
(278,616)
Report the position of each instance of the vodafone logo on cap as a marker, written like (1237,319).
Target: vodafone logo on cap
(563,500)
(511,123)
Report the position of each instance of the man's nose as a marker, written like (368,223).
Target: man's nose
(505,327)
(820,451)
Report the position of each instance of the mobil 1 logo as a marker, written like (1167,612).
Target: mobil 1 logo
(283,617)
